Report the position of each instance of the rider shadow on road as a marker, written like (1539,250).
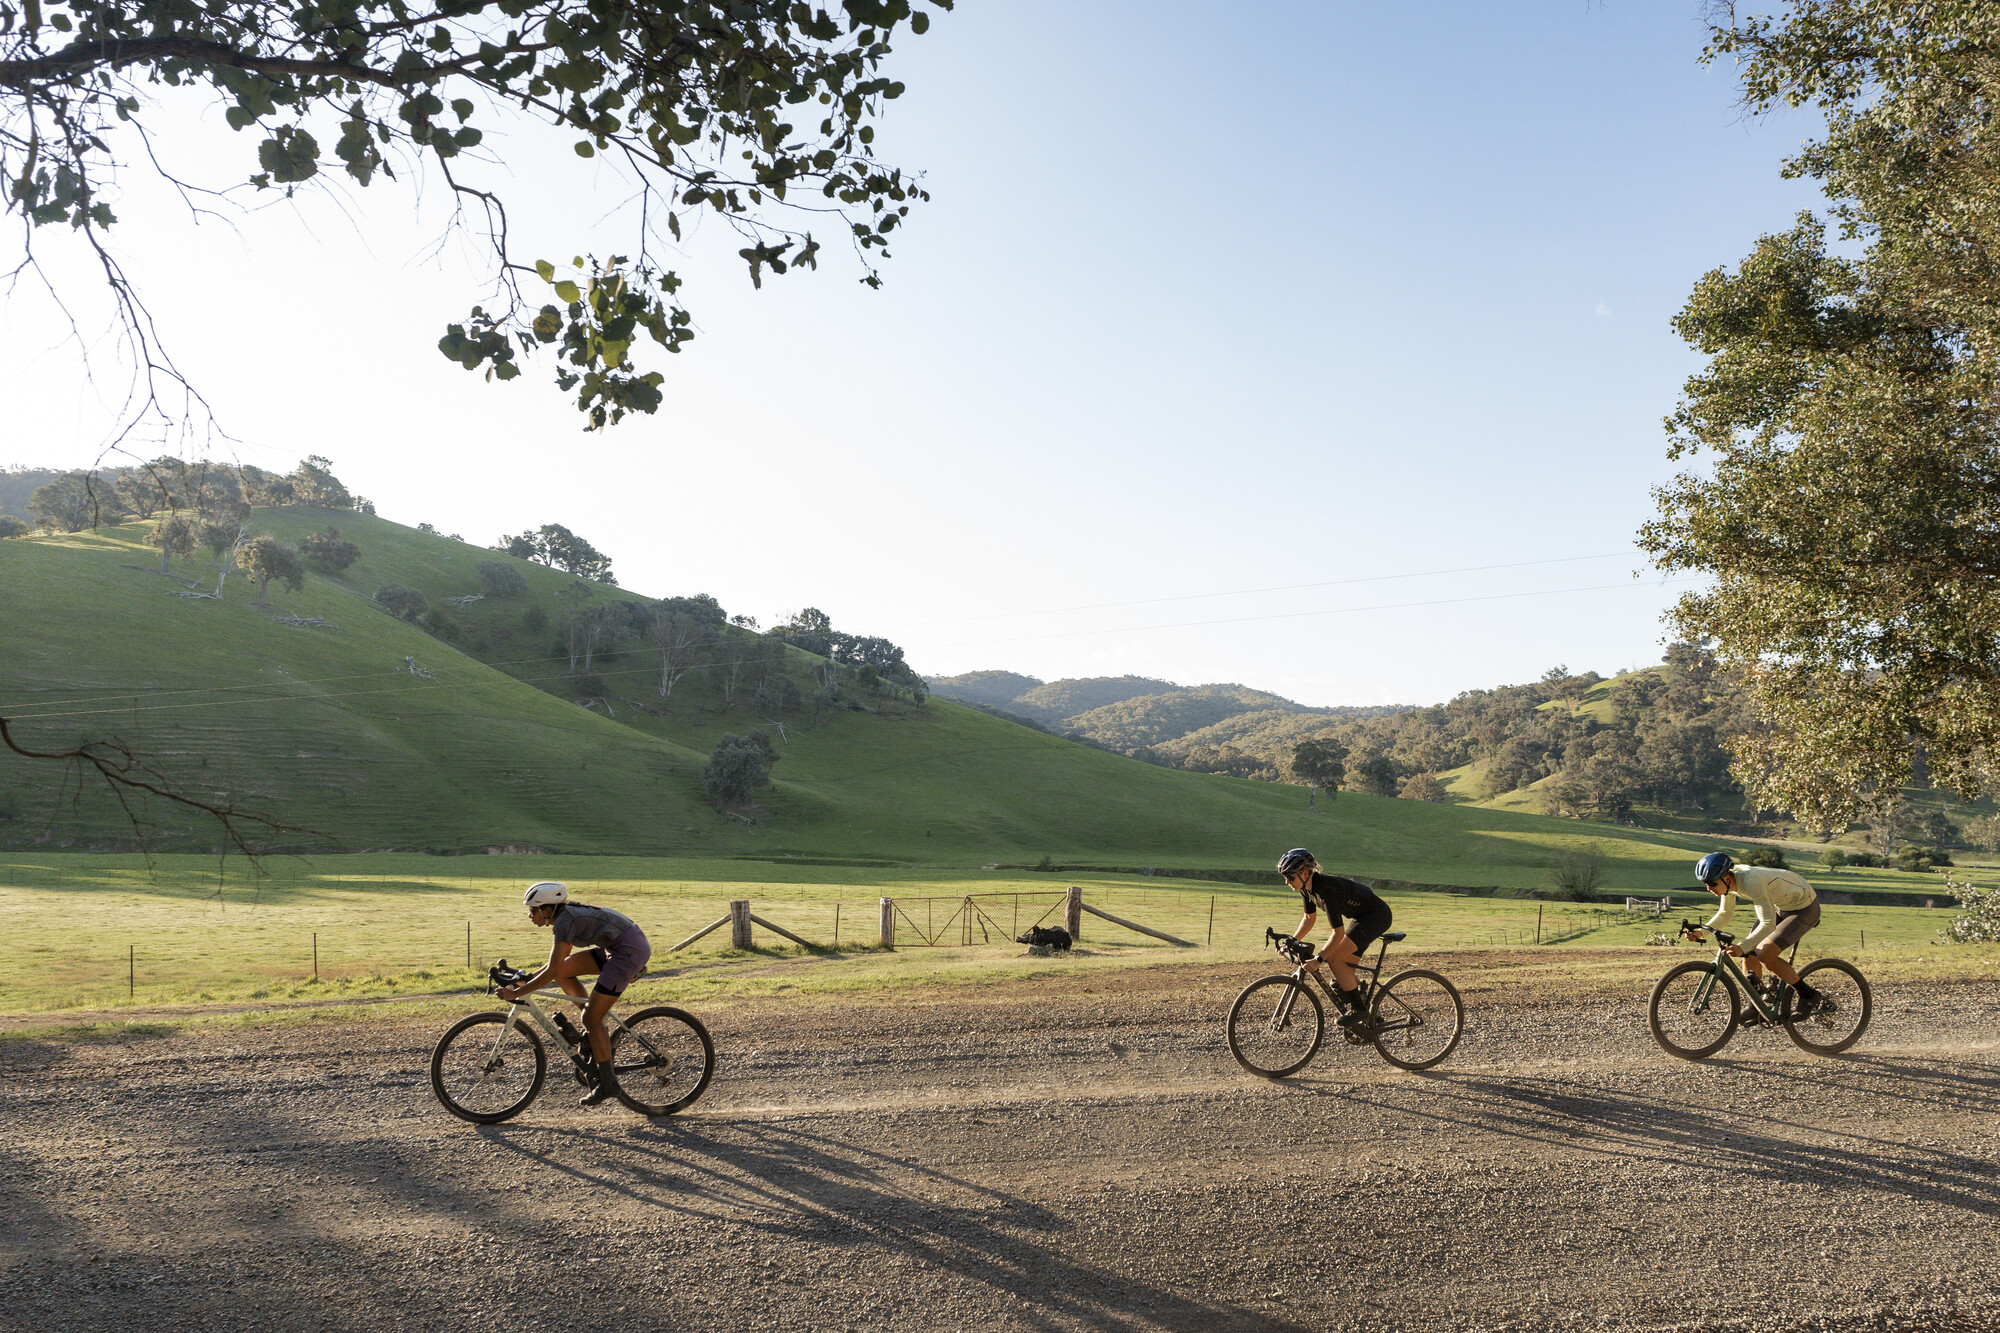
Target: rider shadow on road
(1629,1124)
(833,1206)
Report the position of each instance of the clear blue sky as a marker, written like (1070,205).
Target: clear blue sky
(1210,299)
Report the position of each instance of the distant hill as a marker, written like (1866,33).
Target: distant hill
(1207,728)
(17,484)
(987,689)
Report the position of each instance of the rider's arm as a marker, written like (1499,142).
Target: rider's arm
(557,952)
(1305,925)
(1722,913)
(1767,921)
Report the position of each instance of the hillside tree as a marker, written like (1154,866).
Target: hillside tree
(759,113)
(500,579)
(268,560)
(737,767)
(327,552)
(556,546)
(401,602)
(1320,762)
(174,535)
(13,527)
(75,501)
(682,641)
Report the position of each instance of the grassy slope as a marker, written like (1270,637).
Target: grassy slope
(355,745)
(325,726)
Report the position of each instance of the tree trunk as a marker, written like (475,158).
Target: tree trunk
(263,587)
(166,559)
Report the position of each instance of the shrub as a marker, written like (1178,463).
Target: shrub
(535,621)
(500,579)
(1576,873)
(12,527)
(1772,858)
(1422,787)
(737,767)
(590,685)
(440,624)
(403,603)
(1833,858)
(1979,923)
(1866,860)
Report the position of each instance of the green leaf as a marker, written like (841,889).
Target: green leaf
(462,108)
(583,148)
(545,270)
(567,291)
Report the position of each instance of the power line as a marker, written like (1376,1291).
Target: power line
(1284,587)
(1296,615)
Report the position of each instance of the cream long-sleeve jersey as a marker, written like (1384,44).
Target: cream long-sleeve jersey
(1771,892)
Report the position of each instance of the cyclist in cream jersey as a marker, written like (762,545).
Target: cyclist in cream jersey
(1787,907)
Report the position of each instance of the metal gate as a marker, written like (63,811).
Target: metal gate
(971,918)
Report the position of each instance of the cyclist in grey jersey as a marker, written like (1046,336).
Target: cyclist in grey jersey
(587,940)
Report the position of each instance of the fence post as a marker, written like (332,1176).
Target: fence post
(836,924)
(888,923)
(1073,914)
(1211,920)
(315,956)
(131,971)
(468,944)
(1538,923)
(739,923)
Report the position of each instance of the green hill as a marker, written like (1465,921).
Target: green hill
(328,727)
(1060,702)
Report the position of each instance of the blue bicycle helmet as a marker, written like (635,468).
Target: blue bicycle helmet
(1289,863)
(1713,867)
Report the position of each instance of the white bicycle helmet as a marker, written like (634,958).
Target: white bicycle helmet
(547,893)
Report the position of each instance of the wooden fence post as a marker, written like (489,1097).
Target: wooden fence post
(739,923)
(1073,914)
(1211,920)
(888,923)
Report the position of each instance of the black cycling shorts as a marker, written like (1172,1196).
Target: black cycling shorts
(1366,929)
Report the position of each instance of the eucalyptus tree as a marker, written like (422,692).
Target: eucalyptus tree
(1847,422)
(758,113)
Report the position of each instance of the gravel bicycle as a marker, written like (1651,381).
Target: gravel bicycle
(1697,1007)
(488,1066)
(1414,1019)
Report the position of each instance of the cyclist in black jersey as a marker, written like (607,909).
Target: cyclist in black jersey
(587,940)
(1367,918)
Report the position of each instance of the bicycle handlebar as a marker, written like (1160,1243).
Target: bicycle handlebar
(1719,933)
(500,975)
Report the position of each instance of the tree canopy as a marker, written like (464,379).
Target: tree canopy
(556,546)
(1849,509)
(760,112)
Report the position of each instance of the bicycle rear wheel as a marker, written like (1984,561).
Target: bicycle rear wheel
(1271,1033)
(1417,1017)
(486,1070)
(1845,1006)
(1689,1016)
(664,1058)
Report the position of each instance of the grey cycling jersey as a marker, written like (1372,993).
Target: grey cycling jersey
(583,927)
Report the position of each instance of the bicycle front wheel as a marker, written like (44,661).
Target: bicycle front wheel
(1845,1006)
(1694,1010)
(1417,1017)
(486,1070)
(663,1058)
(1275,1027)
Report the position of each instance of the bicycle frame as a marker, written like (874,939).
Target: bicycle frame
(548,1025)
(1368,989)
(1699,1004)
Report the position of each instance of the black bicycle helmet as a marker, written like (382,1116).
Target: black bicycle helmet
(1713,867)
(1290,862)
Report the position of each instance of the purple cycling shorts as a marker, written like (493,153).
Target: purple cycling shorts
(620,965)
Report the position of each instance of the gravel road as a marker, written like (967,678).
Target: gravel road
(1077,1152)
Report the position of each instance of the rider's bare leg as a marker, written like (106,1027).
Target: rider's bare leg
(1341,955)
(579,964)
(593,1023)
(1773,956)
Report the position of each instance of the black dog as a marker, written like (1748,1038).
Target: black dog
(1046,937)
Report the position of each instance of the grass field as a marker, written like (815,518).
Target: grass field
(107,932)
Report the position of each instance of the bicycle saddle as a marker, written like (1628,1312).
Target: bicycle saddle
(1394,937)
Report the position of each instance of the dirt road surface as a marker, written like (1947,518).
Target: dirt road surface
(1070,1153)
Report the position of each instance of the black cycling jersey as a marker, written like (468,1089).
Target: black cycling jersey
(1338,896)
